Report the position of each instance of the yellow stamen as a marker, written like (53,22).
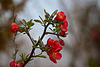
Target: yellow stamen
(60,16)
(54,54)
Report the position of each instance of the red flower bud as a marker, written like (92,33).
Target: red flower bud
(63,34)
(15,28)
(61,42)
(19,64)
(13,64)
(60,16)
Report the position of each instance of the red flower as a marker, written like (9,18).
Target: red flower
(50,42)
(53,48)
(61,42)
(56,47)
(14,64)
(60,16)
(55,56)
(14,28)
(63,34)
(64,25)
(19,64)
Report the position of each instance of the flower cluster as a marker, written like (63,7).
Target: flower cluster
(14,28)
(63,26)
(14,64)
(53,48)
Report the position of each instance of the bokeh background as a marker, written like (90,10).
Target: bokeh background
(82,45)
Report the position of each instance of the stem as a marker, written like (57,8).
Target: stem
(31,38)
(15,45)
(13,12)
(53,34)
(36,45)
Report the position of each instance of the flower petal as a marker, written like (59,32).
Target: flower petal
(60,16)
(50,42)
(58,56)
(52,58)
(13,64)
(19,64)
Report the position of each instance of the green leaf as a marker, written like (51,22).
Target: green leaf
(31,59)
(13,8)
(54,21)
(21,22)
(41,18)
(13,54)
(47,21)
(27,56)
(22,29)
(42,56)
(35,46)
(24,22)
(60,22)
(53,14)
(19,61)
(57,29)
(34,40)
(24,55)
(46,12)
(31,20)
(50,29)
(21,55)
(30,23)
(38,21)
(41,44)
(46,15)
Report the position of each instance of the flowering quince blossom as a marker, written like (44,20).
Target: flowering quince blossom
(56,47)
(53,49)
(19,64)
(14,28)
(63,34)
(55,56)
(14,64)
(63,26)
(60,16)
(61,42)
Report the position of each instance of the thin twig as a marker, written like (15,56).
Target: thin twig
(31,38)
(36,45)
(53,34)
